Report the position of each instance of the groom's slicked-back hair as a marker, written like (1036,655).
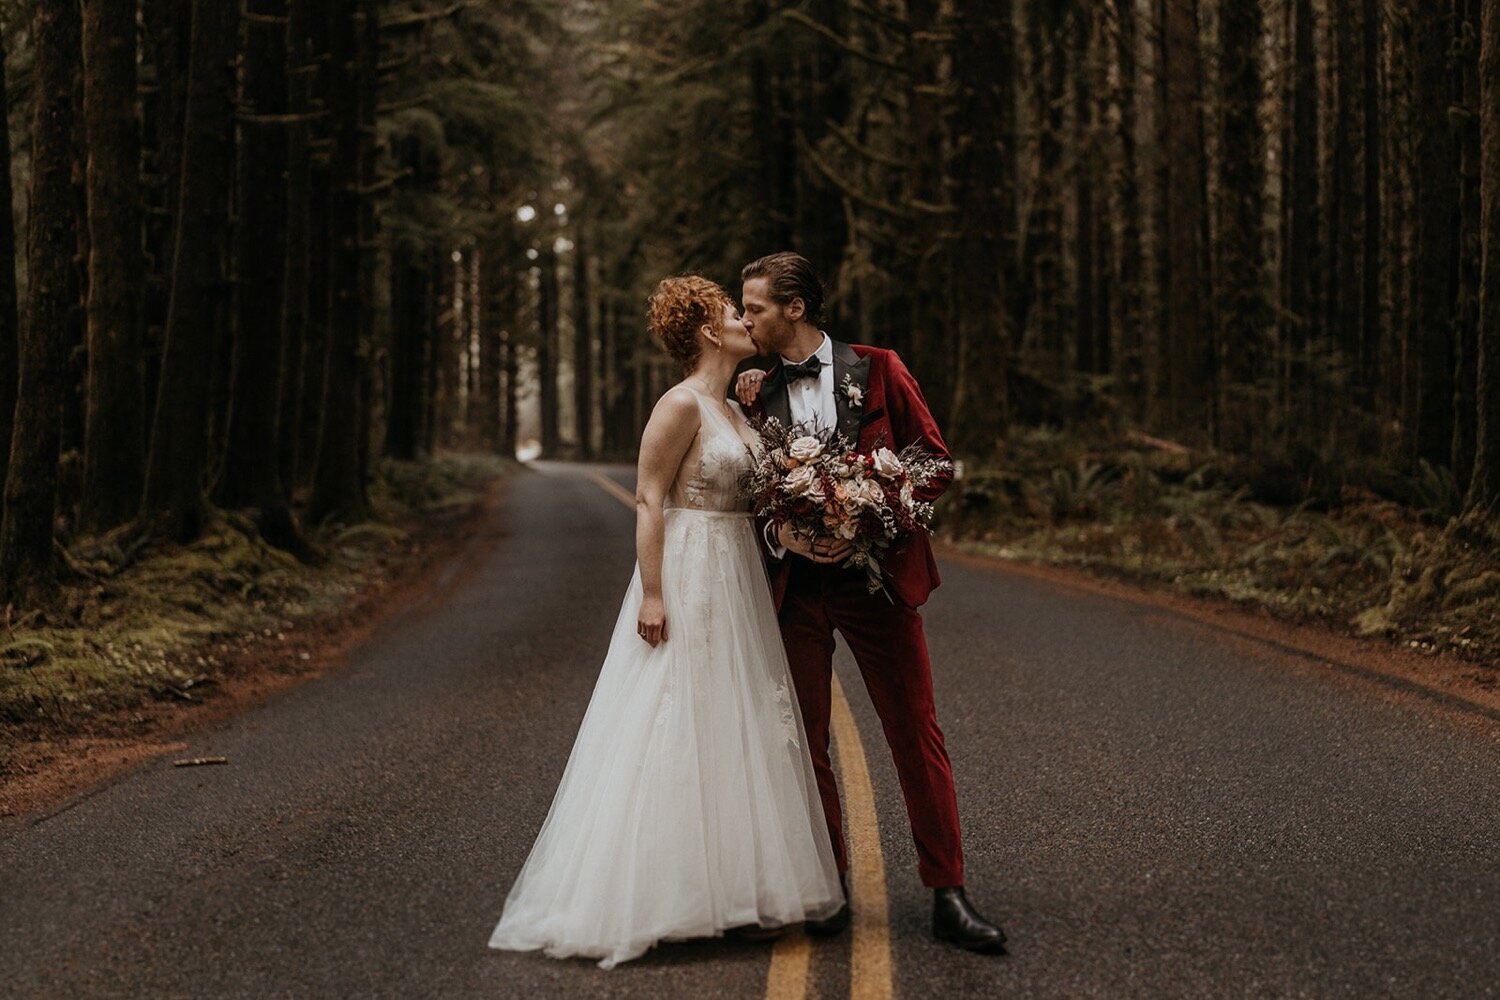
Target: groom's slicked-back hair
(789,276)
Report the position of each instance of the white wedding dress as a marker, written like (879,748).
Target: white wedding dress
(688,804)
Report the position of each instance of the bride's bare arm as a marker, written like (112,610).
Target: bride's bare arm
(667,437)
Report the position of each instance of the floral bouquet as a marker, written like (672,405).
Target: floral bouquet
(816,482)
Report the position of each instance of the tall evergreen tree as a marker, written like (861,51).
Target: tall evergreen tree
(173,499)
(10,320)
(27,560)
(1434,290)
(984,198)
(1241,277)
(1188,333)
(251,472)
(1484,487)
(338,489)
(114,450)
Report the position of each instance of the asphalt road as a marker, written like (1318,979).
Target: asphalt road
(1149,809)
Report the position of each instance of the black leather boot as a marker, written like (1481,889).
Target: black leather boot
(954,919)
(836,924)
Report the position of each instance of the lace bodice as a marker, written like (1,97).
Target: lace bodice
(709,475)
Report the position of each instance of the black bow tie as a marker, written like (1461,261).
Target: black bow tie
(811,368)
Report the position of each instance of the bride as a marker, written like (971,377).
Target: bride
(688,805)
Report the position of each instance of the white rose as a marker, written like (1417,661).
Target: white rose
(805,448)
(869,493)
(800,481)
(886,462)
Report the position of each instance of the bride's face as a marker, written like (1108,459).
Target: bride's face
(734,340)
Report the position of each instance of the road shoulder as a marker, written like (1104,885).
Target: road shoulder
(45,775)
(1464,687)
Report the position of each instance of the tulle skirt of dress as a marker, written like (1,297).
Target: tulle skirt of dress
(688,804)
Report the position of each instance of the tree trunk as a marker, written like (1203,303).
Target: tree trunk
(512,362)
(547,344)
(301,74)
(924,338)
(1484,486)
(409,300)
(338,491)
(315,332)
(27,560)
(1370,319)
(1434,286)
(984,194)
(173,496)
(1466,312)
(1189,340)
(1348,204)
(1130,361)
(311,28)
(774,173)
(583,347)
(409,303)
(438,341)
(1241,275)
(1301,221)
(75,391)
(1041,267)
(367,86)
(114,450)
(495,304)
(816,93)
(251,473)
(10,322)
(1088,352)
(167,25)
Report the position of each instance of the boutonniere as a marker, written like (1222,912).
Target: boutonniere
(853,393)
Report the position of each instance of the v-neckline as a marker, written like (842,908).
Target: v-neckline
(728,416)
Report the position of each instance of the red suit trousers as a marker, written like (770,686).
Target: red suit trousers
(887,642)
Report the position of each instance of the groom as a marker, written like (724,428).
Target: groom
(871,398)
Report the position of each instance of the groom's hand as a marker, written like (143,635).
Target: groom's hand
(747,386)
(819,550)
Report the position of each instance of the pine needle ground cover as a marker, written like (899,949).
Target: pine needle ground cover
(160,622)
(1413,571)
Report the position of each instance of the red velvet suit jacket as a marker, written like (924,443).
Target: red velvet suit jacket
(892,414)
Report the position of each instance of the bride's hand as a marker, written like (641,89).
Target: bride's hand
(747,386)
(651,624)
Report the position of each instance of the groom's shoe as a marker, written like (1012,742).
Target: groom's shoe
(954,919)
(836,924)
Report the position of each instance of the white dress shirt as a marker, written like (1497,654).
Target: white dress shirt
(812,406)
(811,400)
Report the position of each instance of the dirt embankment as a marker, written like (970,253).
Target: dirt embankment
(97,717)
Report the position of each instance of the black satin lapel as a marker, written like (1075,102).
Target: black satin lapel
(849,365)
(773,396)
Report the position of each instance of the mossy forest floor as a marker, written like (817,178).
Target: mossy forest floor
(171,623)
(1145,510)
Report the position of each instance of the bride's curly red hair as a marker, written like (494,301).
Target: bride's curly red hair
(678,307)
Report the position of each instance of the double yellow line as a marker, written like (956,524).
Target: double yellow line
(870,947)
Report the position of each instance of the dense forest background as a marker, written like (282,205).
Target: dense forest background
(259,248)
